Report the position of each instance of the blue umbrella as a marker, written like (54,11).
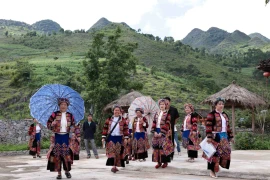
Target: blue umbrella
(45,101)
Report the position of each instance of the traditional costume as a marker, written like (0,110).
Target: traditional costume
(34,142)
(140,141)
(191,136)
(115,149)
(162,146)
(218,129)
(62,149)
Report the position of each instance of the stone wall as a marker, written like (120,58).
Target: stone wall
(16,131)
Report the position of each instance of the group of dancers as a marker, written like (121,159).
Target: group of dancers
(125,141)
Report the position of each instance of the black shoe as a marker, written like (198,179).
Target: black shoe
(59,176)
(127,162)
(68,175)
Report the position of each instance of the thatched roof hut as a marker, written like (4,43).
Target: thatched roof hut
(237,97)
(123,101)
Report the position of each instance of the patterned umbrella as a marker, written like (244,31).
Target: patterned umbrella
(150,108)
(45,101)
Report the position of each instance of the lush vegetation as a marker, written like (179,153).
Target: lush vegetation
(248,141)
(165,67)
(45,144)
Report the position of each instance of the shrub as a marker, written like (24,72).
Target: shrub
(247,141)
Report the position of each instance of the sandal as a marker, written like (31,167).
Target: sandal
(158,165)
(96,156)
(213,175)
(34,156)
(88,156)
(114,170)
(68,175)
(59,176)
(164,165)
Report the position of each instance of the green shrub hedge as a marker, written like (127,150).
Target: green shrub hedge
(250,141)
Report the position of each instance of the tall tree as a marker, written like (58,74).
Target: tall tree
(108,68)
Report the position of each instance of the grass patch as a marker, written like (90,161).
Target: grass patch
(21,147)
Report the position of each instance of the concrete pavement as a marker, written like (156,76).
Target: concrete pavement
(244,165)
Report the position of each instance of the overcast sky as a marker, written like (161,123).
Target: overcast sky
(158,17)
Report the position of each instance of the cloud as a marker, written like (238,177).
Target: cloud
(80,14)
(230,15)
(158,17)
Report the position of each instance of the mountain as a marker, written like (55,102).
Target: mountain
(239,37)
(256,41)
(165,69)
(101,23)
(4,22)
(193,36)
(218,41)
(265,39)
(209,39)
(47,26)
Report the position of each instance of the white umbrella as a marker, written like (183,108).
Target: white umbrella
(149,106)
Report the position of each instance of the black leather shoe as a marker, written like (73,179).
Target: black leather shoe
(59,176)
(68,175)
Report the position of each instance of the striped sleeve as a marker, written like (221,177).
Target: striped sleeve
(209,125)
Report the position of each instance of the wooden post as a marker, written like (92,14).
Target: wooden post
(253,120)
(233,120)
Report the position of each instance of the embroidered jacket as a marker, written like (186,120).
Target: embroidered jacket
(164,123)
(191,122)
(56,116)
(32,130)
(214,123)
(141,127)
(123,126)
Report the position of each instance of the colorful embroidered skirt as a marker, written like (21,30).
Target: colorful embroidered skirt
(60,154)
(160,153)
(140,145)
(35,148)
(191,142)
(115,151)
(222,157)
(185,135)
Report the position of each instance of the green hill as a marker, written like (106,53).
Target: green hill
(218,41)
(258,35)
(101,23)
(173,69)
(209,39)
(46,26)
